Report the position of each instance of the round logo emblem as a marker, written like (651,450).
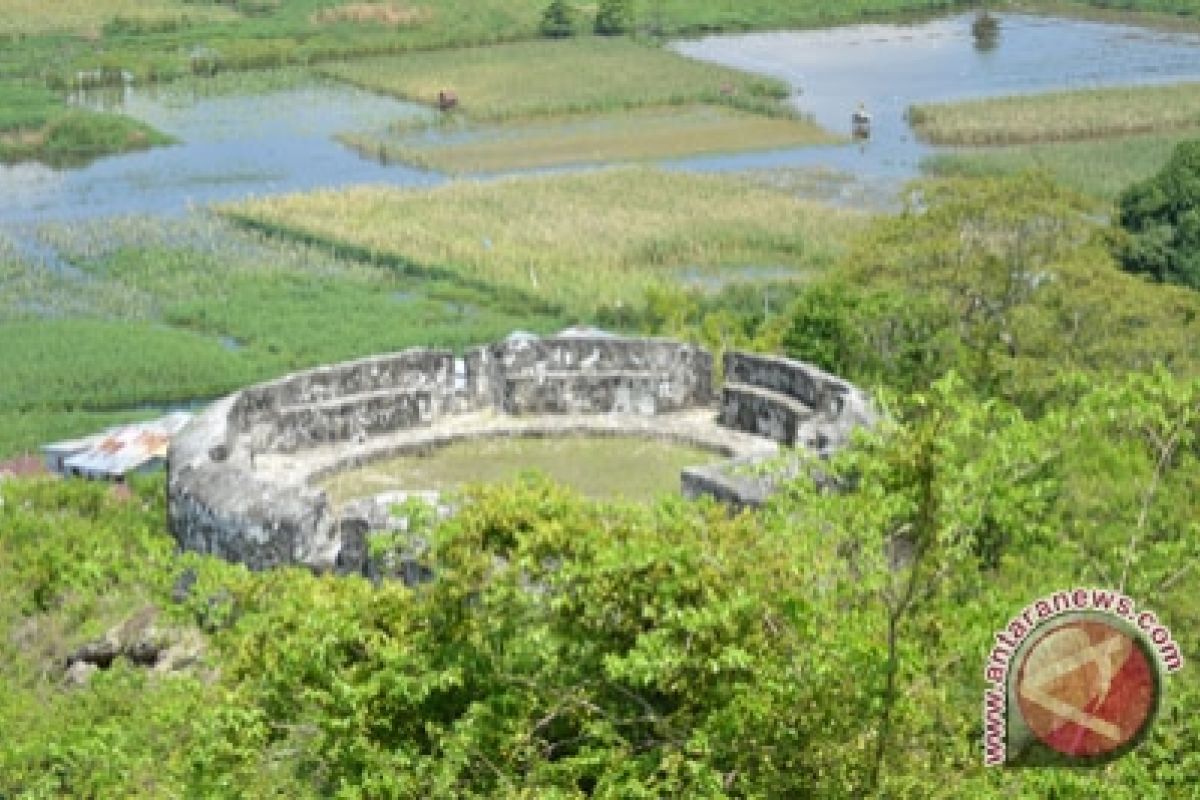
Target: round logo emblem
(1087,688)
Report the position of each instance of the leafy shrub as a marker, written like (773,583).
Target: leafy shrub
(558,20)
(1162,216)
(614,17)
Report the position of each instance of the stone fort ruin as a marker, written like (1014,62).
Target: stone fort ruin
(242,475)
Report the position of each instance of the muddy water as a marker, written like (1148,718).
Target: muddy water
(891,67)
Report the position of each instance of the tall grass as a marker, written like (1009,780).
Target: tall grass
(579,241)
(521,80)
(75,137)
(1060,116)
(28,17)
(636,135)
(1102,168)
(108,365)
(159,311)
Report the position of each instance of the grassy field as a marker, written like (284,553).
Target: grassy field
(603,467)
(1102,168)
(635,135)
(160,312)
(579,241)
(89,17)
(550,78)
(1061,116)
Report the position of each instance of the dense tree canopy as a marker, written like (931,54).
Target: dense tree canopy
(1162,217)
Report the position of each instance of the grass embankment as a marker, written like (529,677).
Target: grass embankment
(1102,168)
(1097,141)
(164,312)
(539,104)
(555,78)
(581,242)
(35,124)
(1061,116)
(638,135)
(90,17)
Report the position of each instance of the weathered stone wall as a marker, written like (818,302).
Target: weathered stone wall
(220,504)
(217,505)
(596,375)
(349,400)
(790,401)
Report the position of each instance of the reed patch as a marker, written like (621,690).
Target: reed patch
(1061,116)
(579,242)
(637,135)
(391,15)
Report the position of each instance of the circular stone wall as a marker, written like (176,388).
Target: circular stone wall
(241,476)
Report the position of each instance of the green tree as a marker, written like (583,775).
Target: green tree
(614,17)
(558,20)
(1162,217)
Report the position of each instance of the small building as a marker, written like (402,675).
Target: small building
(117,452)
(56,454)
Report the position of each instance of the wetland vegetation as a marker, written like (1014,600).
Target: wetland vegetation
(580,242)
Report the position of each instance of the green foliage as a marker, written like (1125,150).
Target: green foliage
(35,124)
(26,107)
(877,337)
(97,365)
(160,313)
(1162,216)
(1008,281)
(1102,168)
(614,17)
(559,20)
(828,646)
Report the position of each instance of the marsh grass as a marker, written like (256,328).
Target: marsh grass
(159,312)
(75,137)
(1102,168)
(579,242)
(89,17)
(536,79)
(637,135)
(1061,116)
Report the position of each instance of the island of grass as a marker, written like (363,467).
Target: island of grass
(541,104)
(35,125)
(576,243)
(1097,141)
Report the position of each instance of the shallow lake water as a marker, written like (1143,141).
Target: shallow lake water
(604,467)
(230,147)
(891,67)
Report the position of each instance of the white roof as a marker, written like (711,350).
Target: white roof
(128,447)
